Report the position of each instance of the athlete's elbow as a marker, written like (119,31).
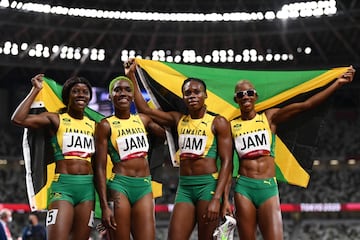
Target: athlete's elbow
(17,121)
(307,105)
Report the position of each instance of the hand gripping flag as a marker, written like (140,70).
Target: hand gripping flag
(163,82)
(37,151)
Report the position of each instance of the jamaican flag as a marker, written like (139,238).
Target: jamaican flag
(293,161)
(37,150)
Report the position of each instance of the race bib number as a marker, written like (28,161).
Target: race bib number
(51,216)
(77,144)
(192,144)
(251,142)
(131,145)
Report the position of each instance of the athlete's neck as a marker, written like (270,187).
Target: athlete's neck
(248,115)
(198,113)
(76,114)
(122,114)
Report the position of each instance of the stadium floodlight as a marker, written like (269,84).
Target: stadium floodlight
(207,58)
(292,10)
(66,52)
(238,58)
(169,58)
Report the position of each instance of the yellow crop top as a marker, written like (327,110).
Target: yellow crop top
(74,138)
(128,138)
(196,139)
(253,138)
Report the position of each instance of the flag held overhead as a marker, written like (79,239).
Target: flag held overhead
(273,88)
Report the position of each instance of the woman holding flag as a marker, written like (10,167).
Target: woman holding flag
(72,193)
(124,137)
(203,137)
(256,192)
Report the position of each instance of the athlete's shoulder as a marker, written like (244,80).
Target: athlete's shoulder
(235,118)
(212,113)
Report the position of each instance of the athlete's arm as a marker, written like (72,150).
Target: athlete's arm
(226,208)
(285,113)
(169,119)
(222,131)
(21,115)
(152,126)
(102,134)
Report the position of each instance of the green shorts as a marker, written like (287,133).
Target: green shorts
(256,190)
(133,188)
(72,188)
(194,188)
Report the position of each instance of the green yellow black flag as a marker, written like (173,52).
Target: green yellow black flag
(37,151)
(164,81)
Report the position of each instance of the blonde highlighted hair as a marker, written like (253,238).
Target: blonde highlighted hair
(120,78)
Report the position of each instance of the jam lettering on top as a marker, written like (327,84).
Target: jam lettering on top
(132,143)
(251,142)
(78,144)
(196,139)
(192,142)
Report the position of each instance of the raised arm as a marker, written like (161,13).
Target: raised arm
(169,119)
(102,133)
(152,126)
(279,115)
(21,115)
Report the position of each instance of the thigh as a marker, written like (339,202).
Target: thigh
(246,217)
(122,215)
(205,228)
(83,220)
(59,219)
(182,221)
(143,218)
(270,219)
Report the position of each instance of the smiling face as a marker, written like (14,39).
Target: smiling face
(194,95)
(79,97)
(122,95)
(246,102)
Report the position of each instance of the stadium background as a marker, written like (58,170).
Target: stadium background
(34,40)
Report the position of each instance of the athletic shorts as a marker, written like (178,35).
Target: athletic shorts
(256,190)
(194,188)
(134,188)
(72,188)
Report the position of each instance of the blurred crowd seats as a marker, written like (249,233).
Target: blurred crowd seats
(339,139)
